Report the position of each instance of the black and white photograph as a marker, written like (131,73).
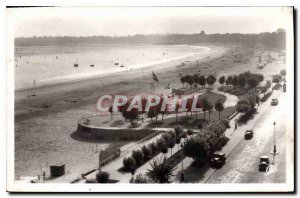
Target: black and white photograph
(150,99)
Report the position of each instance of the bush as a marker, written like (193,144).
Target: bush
(153,147)
(161,143)
(147,152)
(140,179)
(178,130)
(138,156)
(102,177)
(129,164)
(190,132)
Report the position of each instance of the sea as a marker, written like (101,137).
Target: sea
(42,65)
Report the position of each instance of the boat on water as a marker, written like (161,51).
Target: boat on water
(76,64)
(122,66)
(92,65)
(116,63)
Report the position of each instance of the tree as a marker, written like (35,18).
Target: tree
(283,72)
(147,152)
(207,106)
(190,132)
(190,80)
(152,113)
(161,144)
(222,80)
(228,80)
(210,80)
(161,171)
(183,80)
(110,111)
(235,81)
(138,156)
(252,82)
(144,103)
(129,164)
(196,148)
(242,81)
(102,177)
(202,81)
(178,131)
(219,107)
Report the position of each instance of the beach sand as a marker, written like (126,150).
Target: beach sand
(45,121)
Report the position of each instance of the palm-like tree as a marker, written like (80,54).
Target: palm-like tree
(219,107)
(161,171)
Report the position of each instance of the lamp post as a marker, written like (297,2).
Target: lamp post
(182,173)
(274,150)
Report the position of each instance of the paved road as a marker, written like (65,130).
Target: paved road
(242,163)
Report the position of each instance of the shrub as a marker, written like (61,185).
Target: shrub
(102,177)
(138,156)
(147,152)
(140,179)
(129,164)
(190,132)
(178,130)
(161,143)
(153,147)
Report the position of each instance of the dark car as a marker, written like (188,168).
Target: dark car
(248,134)
(217,159)
(264,163)
(274,102)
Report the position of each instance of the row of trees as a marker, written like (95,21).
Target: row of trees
(205,143)
(242,80)
(140,156)
(274,39)
(154,111)
(196,79)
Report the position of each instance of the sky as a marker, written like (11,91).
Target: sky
(122,21)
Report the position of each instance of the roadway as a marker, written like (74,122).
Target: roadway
(242,163)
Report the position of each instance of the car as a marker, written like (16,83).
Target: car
(248,134)
(218,159)
(274,102)
(264,163)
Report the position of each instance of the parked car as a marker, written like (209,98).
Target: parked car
(264,163)
(274,102)
(218,159)
(248,134)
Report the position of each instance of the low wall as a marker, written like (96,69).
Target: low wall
(91,132)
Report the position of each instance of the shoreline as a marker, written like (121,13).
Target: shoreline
(88,74)
(70,84)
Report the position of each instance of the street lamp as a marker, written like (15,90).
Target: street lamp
(182,173)
(274,150)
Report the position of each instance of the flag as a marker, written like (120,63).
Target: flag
(155,77)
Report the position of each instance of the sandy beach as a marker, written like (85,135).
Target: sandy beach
(46,120)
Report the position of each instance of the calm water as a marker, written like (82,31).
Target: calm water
(35,66)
